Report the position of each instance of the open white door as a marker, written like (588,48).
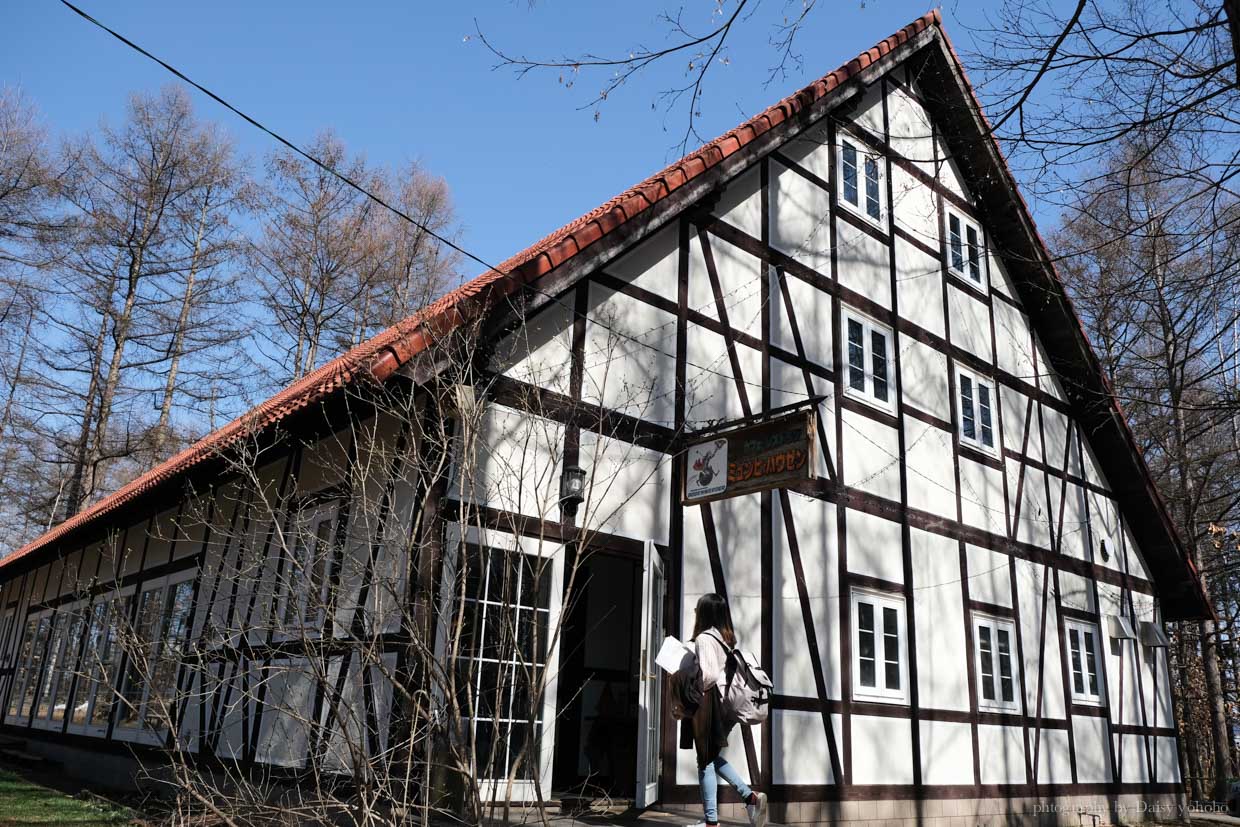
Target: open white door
(650,679)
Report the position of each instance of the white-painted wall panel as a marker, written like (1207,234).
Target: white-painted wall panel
(915,208)
(868,111)
(741,202)
(882,751)
(788,386)
(1033,524)
(875,547)
(970,321)
(871,456)
(540,351)
(990,580)
(811,310)
(946,753)
(517,464)
(1054,756)
(711,392)
(815,528)
(800,218)
(740,277)
(919,288)
(1166,760)
(863,263)
(1001,754)
(1040,635)
(1132,756)
(629,357)
(799,753)
(1014,342)
(923,378)
(654,264)
(1093,755)
(628,488)
(1075,592)
(939,605)
(911,130)
(981,496)
(931,476)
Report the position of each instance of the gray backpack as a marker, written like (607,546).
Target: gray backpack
(747,693)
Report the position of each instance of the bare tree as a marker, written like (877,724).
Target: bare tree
(335,267)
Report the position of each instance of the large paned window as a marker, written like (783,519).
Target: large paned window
(29,672)
(870,371)
(1084,660)
(879,668)
(994,641)
(154,650)
(100,664)
(501,656)
(60,667)
(861,180)
(977,406)
(964,250)
(307,574)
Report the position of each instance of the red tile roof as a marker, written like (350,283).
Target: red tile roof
(380,357)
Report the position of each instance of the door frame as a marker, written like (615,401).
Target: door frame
(458,537)
(650,689)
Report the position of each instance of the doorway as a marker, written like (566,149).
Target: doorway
(607,729)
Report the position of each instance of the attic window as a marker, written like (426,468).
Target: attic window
(861,181)
(964,250)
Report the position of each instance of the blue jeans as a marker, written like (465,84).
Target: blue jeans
(708,780)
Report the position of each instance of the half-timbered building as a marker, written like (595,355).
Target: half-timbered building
(961,607)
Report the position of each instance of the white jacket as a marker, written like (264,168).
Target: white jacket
(712,658)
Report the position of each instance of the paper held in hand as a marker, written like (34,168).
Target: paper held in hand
(675,655)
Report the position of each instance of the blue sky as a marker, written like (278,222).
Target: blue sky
(400,81)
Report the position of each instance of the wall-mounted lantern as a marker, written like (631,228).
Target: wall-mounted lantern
(572,489)
(1102,550)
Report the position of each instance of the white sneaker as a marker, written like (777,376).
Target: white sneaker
(757,812)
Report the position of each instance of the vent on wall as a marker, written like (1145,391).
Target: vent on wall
(1152,634)
(1121,628)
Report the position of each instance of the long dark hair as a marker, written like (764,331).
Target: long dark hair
(712,612)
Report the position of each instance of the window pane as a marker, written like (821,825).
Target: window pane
(68,668)
(1006,688)
(856,355)
(1090,666)
(850,173)
(865,643)
(52,668)
(109,662)
(891,646)
(953,237)
(975,267)
(987,657)
(1074,643)
(872,206)
(37,632)
(983,411)
(967,423)
(141,656)
(878,357)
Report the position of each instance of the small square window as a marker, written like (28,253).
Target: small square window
(869,360)
(977,406)
(879,664)
(964,250)
(998,683)
(861,180)
(1084,662)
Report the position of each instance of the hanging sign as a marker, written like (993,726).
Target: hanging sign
(771,453)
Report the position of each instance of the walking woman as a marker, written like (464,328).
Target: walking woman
(708,728)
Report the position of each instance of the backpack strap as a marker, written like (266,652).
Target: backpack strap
(713,632)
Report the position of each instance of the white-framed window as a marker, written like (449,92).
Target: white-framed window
(868,367)
(1084,662)
(861,177)
(147,696)
(28,669)
(978,402)
(880,668)
(308,571)
(107,618)
(965,250)
(994,643)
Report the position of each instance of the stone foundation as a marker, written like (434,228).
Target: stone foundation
(1062,811)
